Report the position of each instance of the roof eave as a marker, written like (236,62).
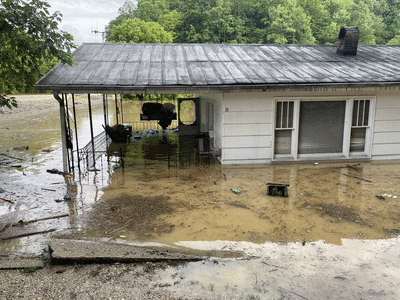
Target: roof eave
(175,89)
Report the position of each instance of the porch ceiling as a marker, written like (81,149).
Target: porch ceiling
(197,68)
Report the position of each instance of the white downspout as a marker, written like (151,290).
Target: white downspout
(63,131)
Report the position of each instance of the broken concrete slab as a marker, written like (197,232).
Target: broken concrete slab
(18,230)
(16,262)
(31,215)
(65,251)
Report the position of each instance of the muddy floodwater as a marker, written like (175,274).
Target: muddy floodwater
(162,197)
(328,201)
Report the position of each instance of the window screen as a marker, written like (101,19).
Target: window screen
(359,125)
(360,113)
(321,126)
(284,114)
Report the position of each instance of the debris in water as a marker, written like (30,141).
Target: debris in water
(340,212)
(6,200)
(55,171)
(238,204)
(357,178)
(67,197)
(23,148)
(237,192)
(277,189)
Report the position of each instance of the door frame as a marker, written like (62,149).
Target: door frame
(196,124)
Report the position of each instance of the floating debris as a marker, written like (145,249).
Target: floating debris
(68,197)
(277,189)
(238,204)
(237,192)
(340,212)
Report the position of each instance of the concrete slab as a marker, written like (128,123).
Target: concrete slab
(15,262)
(67,251)
(31,228)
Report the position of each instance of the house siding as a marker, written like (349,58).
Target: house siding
(386,136)
(244,123)
(247,128)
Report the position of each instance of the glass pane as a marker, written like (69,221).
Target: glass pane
(187,112)
(285,115)
(321,126)
(291,109)
(357,140)
(366,113)
(355,111)
(279,115)
(283,141)
(360,113)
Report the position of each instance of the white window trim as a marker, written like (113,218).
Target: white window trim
(346,154)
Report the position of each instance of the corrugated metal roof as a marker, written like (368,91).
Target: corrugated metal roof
(140,68)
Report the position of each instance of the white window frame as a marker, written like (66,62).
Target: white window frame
(345,154)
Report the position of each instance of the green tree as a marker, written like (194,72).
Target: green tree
(222,26)
(319,17)
(139,31)
(390,13)
(126,12)
(170,20)
(288,23)
(127,9)
(29,37)
(358,13)
(151,10)
(395,40)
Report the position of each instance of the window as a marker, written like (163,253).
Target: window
(284,127)
(359,125)
(210,116)
(322,127)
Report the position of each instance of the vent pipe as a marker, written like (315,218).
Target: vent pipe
(348,41)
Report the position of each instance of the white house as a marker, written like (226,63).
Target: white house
(261,103)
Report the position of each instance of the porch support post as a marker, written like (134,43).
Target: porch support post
(91,129)
(116,107)
(122,110)
(104,110)
(76,132)
(63,131)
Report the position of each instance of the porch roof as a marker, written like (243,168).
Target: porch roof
(197,68)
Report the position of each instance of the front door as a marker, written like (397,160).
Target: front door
(189,116)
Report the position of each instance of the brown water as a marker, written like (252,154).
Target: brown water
(150,203)
(192,201)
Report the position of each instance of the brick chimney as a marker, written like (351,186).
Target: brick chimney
(347,41)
